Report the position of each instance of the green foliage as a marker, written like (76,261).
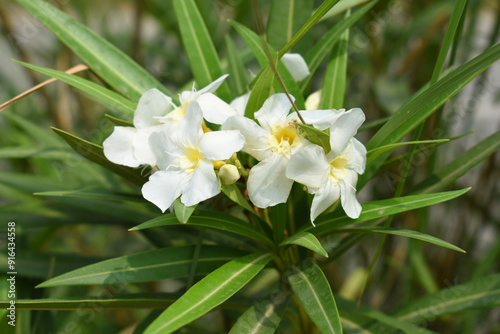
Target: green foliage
(91,243)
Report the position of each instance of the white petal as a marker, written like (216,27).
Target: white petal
(203,185)
(151,105)
(220,145)
(355,153)
(212,87)
(214,109)
(166,152)
(313,100)
(348,198)
(274,111)
(119,146)
(239,104)
(164,187)
(267,183)
(142,148)
(324,198)
(344,128)
(321,119)
(256,138)
(296,65)
(189,130)
(308,166)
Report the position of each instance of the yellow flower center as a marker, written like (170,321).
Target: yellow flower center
(190,159)
(337,168)
(283,138)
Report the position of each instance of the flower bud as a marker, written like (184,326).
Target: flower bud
(229,174)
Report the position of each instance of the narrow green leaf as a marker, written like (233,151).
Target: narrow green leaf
(342,6)
(97,194)
(278,220)
(210,292)
(182,212)
(373,154)
(285,19)
(421,106)
(112,65)
(317,15)
(237,197)
(313,290)
(158,264)
(447,174)
(402,232)
(198,45)
(262,318)
(95,154)
(448,39)
(315,136)
(25,152)
(119,122)
(334,82)
(316,55)
(238,77)
(307,240)
(377,209)
(211,219)
(260,91)
(255,44)
(483,293)
(99,92)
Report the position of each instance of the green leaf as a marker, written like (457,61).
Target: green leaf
(377,209)
(316,136)
(158,264)
(342,6)
(262,318)
(182,212)
(313,290)
(95,154)
(402,232)
(211,219)
(112,65)
(210,292)
(285,19)
(447,174)
(317,15)
(237,197)
(98,194)
(373,154)
(260,91)
(198,45)
(99,92)
(483,293)
(119,122)
(316,55)
(334,82)
(238,77)
(422,105)
(254,42)
(307,240)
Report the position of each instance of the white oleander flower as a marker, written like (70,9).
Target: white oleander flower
(185,158)
(333,175)
(155,112)
(272,142)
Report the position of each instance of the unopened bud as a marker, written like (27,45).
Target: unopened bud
(229,174)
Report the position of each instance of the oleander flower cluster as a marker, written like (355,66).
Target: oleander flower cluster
(192,162)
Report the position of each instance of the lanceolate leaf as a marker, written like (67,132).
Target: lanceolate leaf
(373,210)
(317,136)
(260,91)
(458,167)
(99,92)
(373,154)
(95,154)
(211,219)
(307,240)
(183,212)
(210,292)
(313,290)
(147,266)
(262,318)
(483,293)
(402,232)
(238,77)
(421,106)
(286,18)
(112,65)
(198,46)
